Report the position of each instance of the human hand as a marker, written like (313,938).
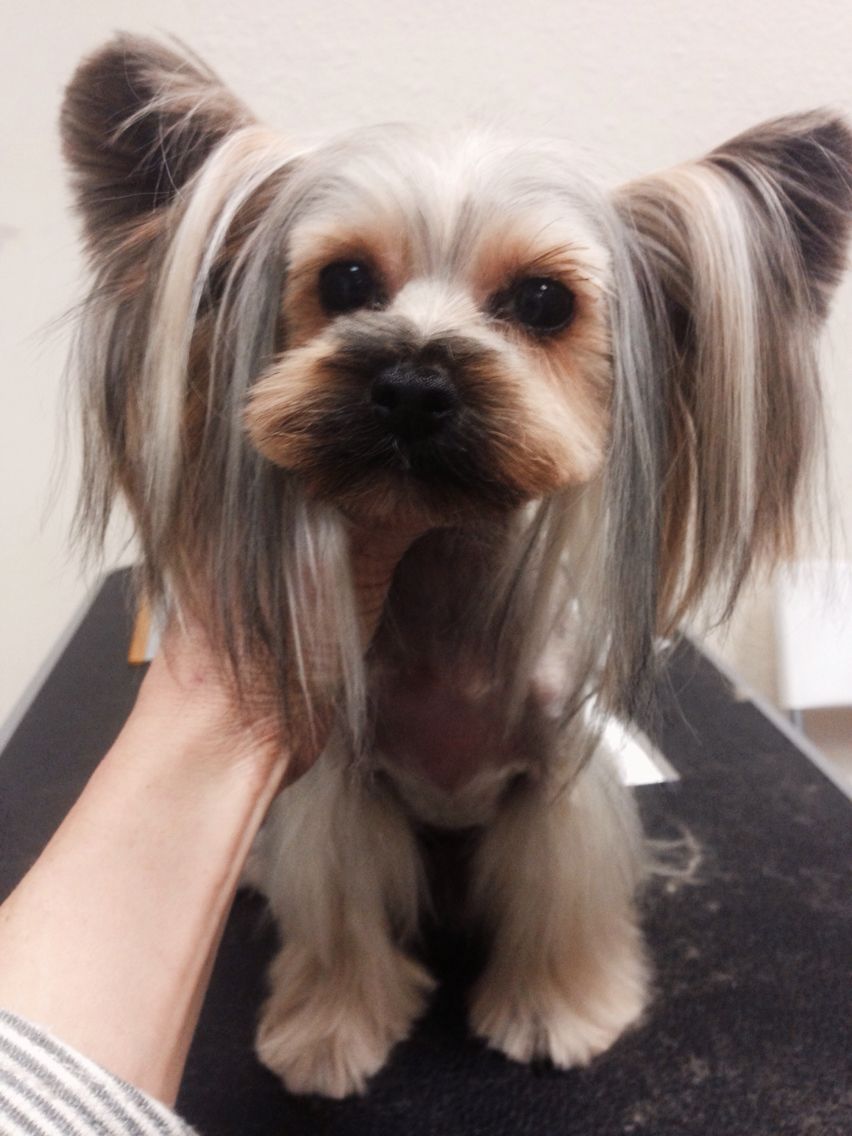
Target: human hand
(189,695)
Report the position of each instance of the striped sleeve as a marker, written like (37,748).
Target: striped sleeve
(48,1089)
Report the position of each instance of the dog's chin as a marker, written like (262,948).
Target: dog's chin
(386,507)
(411,487)
(409,499)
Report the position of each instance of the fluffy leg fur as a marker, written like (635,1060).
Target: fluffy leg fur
(341,869)
(554,879)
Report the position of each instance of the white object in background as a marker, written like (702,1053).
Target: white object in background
(813,624)
(637,759)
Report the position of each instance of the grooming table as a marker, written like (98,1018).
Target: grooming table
(750,1033)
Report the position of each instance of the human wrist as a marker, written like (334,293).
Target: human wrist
(189,716)
(197,756)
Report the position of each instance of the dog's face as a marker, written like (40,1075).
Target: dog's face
(445,326)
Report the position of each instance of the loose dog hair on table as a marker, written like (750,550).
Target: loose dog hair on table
(600,408)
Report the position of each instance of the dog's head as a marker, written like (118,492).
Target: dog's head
(418,330)
(440,304)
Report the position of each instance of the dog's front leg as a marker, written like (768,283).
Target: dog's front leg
(341,869)
(554,882)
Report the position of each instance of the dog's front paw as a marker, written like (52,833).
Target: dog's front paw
(327,1030)
(561,1021)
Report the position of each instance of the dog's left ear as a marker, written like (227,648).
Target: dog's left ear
(736,257)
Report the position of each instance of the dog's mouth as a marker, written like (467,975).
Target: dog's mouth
(346,454)
(376,473)
(433,463)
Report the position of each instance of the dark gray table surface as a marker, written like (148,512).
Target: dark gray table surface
(750,1030)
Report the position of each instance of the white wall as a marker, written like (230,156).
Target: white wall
(641,84)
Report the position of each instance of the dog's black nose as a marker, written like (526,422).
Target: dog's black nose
(413,400)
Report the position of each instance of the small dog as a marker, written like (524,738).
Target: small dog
(594,409)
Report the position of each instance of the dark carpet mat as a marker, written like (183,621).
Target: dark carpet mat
(750,1030)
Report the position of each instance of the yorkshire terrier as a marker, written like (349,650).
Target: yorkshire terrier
(594,408)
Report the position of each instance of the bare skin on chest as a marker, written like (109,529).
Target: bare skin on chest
(445,728)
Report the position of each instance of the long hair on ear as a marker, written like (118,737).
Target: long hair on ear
(186,204)
(734,258)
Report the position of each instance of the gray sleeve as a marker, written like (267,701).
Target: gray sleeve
(48,1089)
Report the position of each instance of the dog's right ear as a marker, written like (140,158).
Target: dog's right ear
(137,121)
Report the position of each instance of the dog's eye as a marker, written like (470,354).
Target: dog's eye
(346,286)
(540,304)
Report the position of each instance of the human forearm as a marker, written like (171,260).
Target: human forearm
(109,939)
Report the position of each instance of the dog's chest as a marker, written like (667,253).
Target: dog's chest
(441,739)
(440,714)
(442,728)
